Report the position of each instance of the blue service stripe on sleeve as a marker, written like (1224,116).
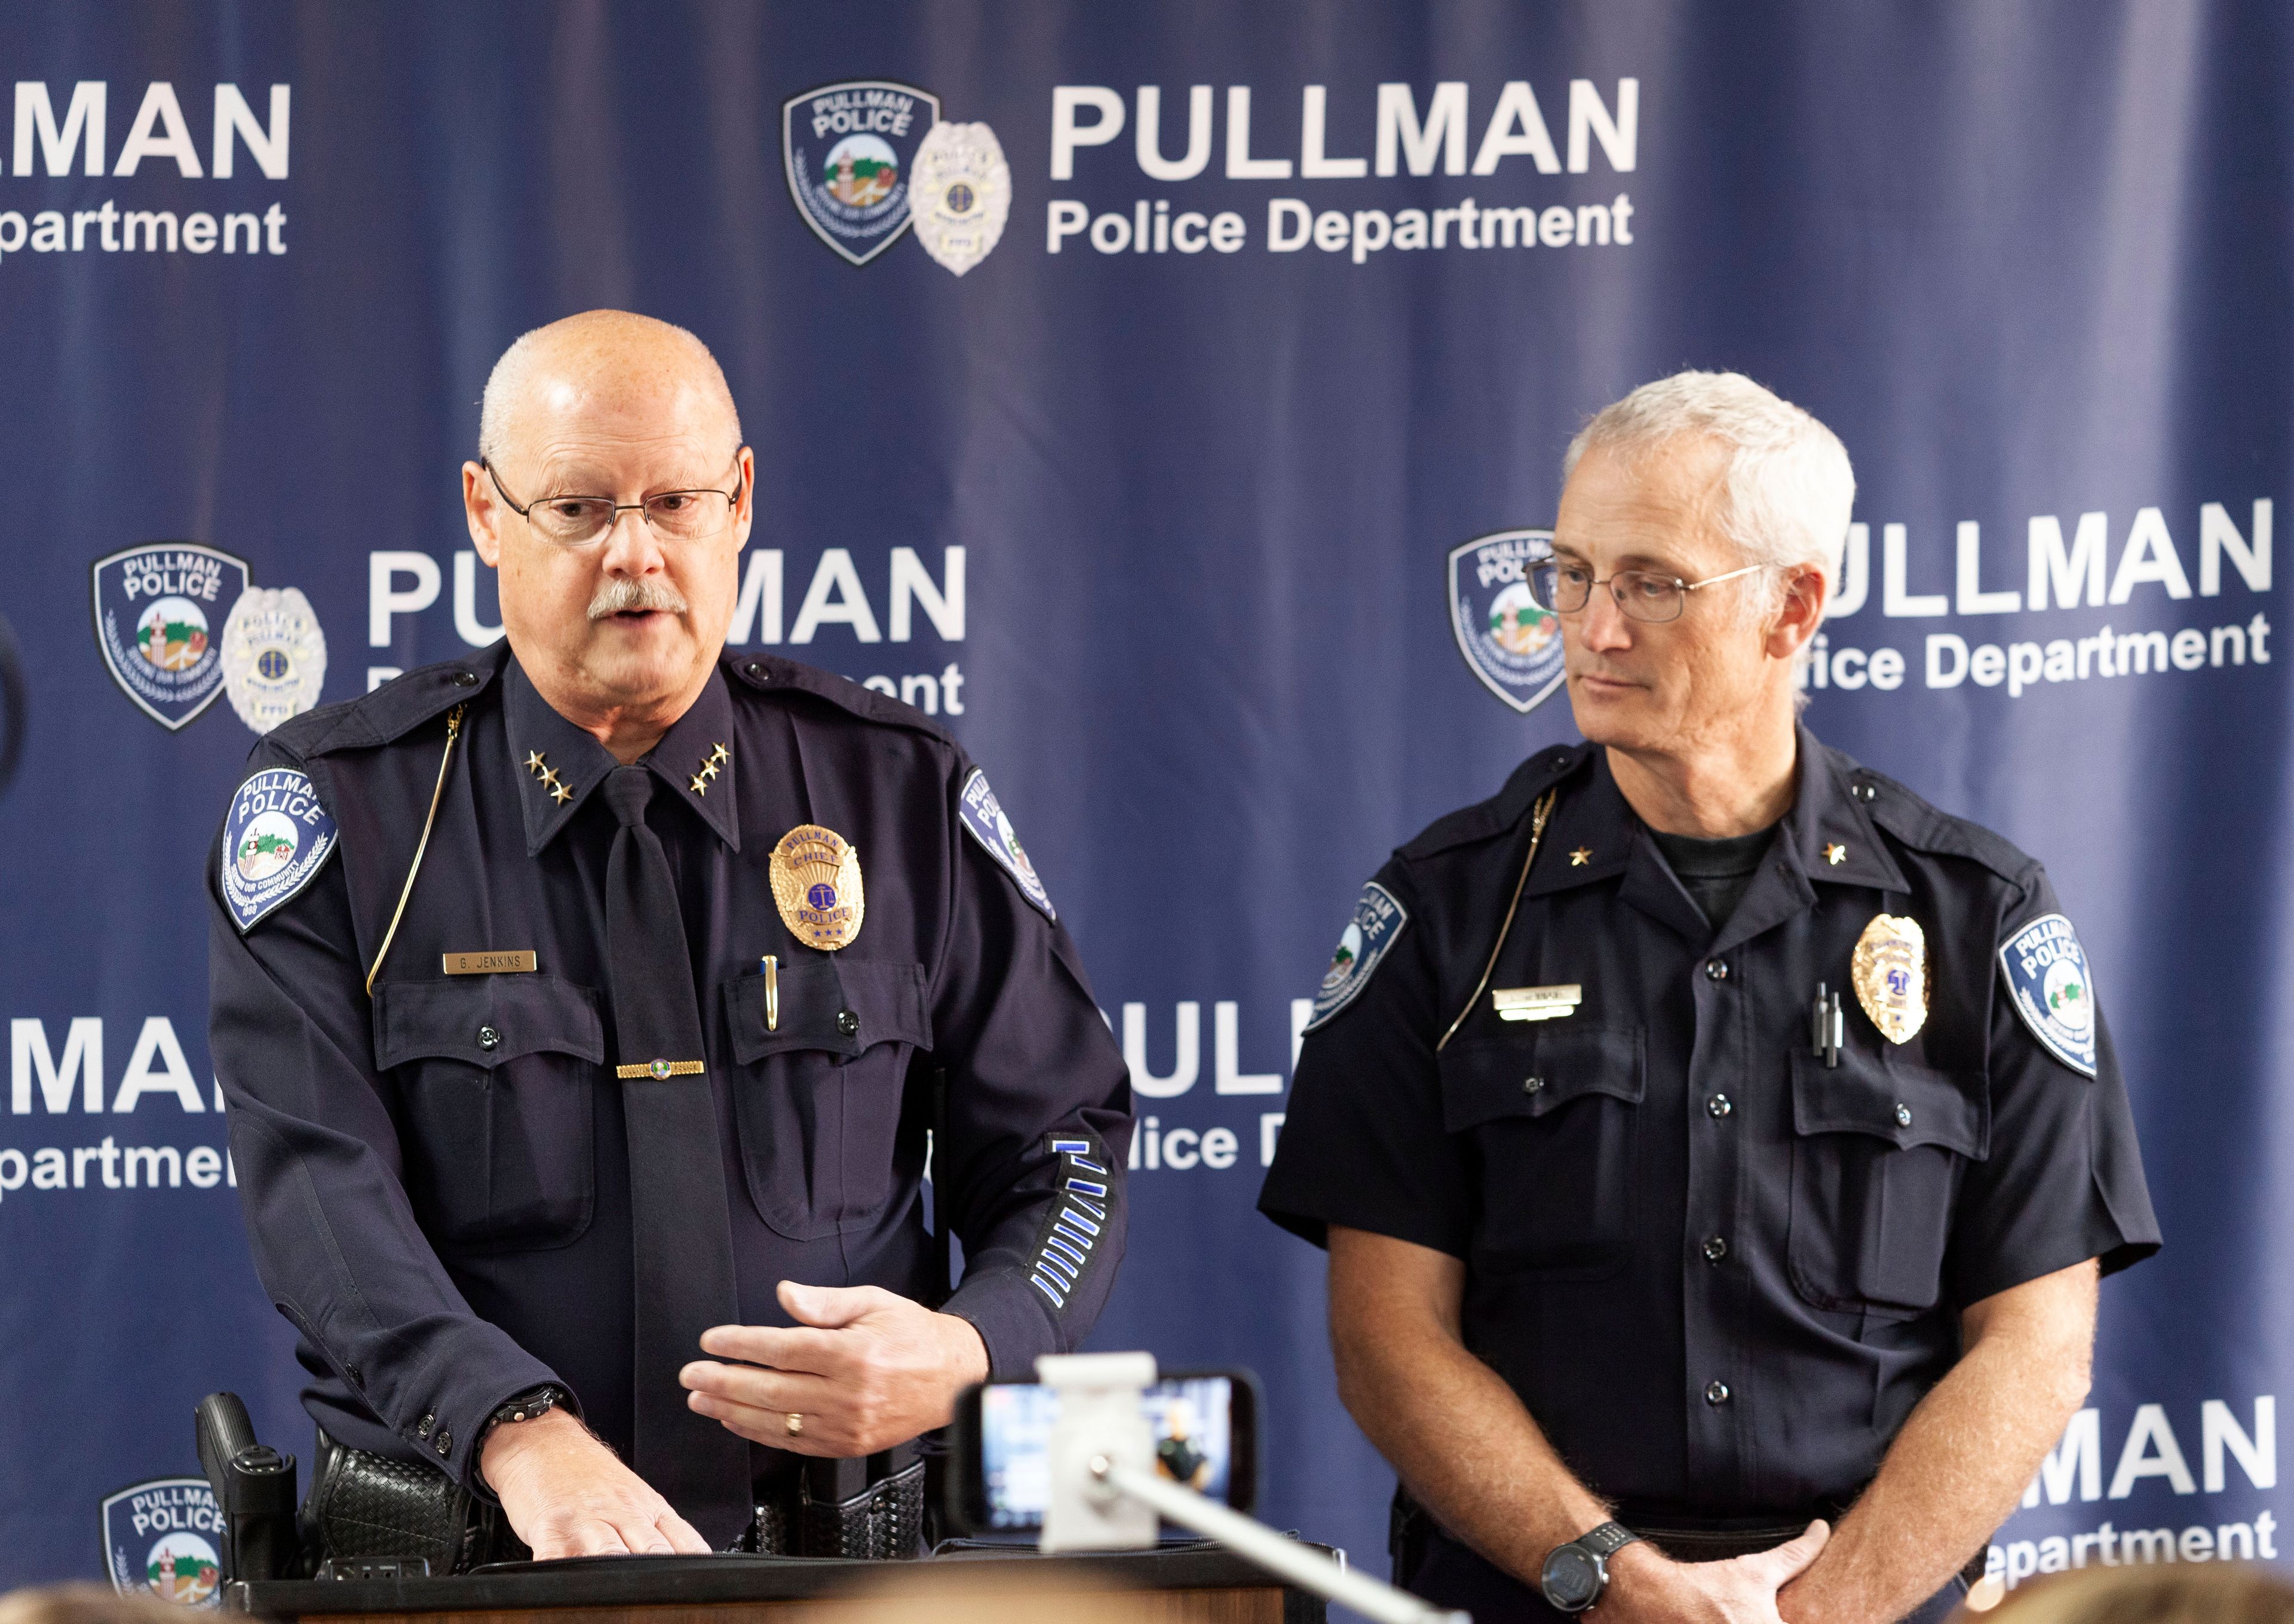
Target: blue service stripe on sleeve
(1086,1187)
(1074,1238)
(1057,1265)
(1088,1165)
(1069,1146)
(1092,1208)
(1058,1298)
(1068,1214)
(1054,1245)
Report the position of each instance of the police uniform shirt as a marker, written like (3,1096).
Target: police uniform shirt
(1717,1271)
(436,1177)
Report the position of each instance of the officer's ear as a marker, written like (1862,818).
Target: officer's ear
(1799,611)
(482,511)
(745,503)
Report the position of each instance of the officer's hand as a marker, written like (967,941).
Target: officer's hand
(568,1495)
(863,1367)
(1644,1585)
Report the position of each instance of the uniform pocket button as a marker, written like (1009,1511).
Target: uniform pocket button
(1719,1106)
(1716,1393)
(1903,1115)
(847,1022)
(488,1039)
(1716,969)
(422,1427)
(1716,1247)
(446,1443)
(1530,1085)
(466,679)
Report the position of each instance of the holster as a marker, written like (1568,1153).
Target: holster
(364,1507)
(870,1509)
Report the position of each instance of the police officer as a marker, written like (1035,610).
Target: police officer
(582,1005)
(1713,1141)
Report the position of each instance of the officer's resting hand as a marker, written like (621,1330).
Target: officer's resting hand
(568,1495)
(865,1370)
(1646,1586)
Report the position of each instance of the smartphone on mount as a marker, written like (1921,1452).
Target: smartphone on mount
(1205,1423)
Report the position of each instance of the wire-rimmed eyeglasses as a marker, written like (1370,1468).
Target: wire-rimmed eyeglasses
(1565,587)
(576,521)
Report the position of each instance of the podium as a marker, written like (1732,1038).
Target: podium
(1199,1584)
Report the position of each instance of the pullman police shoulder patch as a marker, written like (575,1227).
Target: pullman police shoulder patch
(1377,920)
(277,837)
(2047,981)
(983,819)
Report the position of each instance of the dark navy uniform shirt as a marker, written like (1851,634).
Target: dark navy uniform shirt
(1718,1272)
(436,1178)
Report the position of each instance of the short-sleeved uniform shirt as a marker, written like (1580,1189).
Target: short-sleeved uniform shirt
(437,1175)
(1717,1266)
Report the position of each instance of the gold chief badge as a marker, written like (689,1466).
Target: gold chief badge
(817,883)
(1890,969)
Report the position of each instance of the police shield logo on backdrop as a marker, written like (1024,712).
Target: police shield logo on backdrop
(161,1538)
(159,613)
(850,151)
(1507,641)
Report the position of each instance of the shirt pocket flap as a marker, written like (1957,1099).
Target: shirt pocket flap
(885,1002)
(485,1020)
(1485,1079)
(1887,1099)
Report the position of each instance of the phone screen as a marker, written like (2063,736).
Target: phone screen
(1193,1418)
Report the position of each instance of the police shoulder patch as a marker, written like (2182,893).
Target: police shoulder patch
(277,837)
(2048,982)
(1378,922)
(983,819)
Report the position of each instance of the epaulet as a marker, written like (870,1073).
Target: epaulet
(1925,828)
(393,710)
(1503,811)
(769,674)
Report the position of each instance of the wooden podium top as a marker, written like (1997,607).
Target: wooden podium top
(1018,1586)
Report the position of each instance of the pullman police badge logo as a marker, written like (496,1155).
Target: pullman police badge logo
(816,878)
(962,194)
(274,656)
(276,838)
(1377,920)
(2047,981)
(1889,970)
(160,610)
(160,1539)
(1509,642)
(982,816)
(849,150)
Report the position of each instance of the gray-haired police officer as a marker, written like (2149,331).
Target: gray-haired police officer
(1745,1159)
(565,1036)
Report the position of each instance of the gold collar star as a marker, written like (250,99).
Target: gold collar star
(717,756)
(558,792)
(533,761)
(1835,854)
(1581,856)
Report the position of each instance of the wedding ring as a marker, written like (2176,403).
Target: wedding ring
(795,1424)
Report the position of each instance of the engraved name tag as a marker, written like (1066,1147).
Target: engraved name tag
(1537,1002)
(503,961)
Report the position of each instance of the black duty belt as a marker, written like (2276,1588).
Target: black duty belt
(365,1508)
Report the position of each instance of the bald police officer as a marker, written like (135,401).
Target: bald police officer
(1716,1145)
(578,1005)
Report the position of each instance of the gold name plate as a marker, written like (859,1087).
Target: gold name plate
(500,963)
(1537,1002)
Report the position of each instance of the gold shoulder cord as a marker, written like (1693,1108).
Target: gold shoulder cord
(1536,833)
(454,732)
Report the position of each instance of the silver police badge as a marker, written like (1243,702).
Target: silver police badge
(1509,642)
(848,149)
(274,656)
(157,609)
(962,194)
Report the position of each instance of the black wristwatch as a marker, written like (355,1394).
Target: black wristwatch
(1575,1574)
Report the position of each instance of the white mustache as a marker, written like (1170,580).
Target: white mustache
(621,595)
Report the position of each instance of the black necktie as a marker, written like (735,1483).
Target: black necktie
(681,1227)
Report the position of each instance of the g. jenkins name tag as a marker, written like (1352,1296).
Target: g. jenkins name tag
(503,961)
(1537,1002)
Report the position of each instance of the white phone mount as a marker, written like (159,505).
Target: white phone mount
(1105,1494)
